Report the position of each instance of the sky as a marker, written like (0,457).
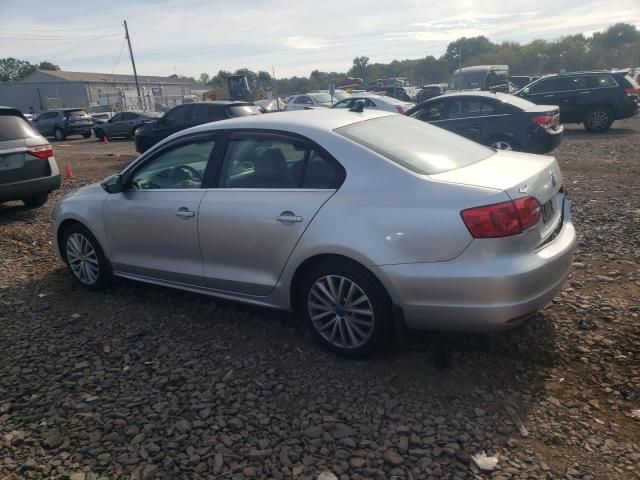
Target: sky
(189,37)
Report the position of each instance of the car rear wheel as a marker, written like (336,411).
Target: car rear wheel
(100,134)
(87,135)
(59,134)
(598,119)
(36,201)
(503,143)
(85,258)
(345,308)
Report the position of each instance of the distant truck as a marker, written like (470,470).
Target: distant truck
(491,78)
(237,89)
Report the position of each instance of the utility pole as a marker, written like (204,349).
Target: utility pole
(275,87)
(133,63)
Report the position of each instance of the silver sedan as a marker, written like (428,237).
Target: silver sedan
(362,222)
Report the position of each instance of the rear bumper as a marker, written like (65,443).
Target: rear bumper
(544,141)
(29,188)
(77,129)
(481,293)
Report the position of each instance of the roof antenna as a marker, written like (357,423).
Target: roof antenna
(358,107)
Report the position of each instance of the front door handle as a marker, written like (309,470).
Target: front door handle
(184,212)
(288,217)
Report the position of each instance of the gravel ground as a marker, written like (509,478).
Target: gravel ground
(143,382)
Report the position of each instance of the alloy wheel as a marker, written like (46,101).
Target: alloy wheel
(340,311)
(501,145)
(82,259)
(598,119)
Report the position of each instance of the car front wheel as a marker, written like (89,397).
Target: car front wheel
(36,201)
(598,120)
(85,258)
(59,134)
(345,308)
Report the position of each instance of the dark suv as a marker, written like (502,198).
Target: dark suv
(28,169)
(189,115)
(595,99)
(64,122)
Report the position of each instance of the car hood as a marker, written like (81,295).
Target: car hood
(92,189)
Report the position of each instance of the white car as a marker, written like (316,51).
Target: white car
(376,102)
(308,101)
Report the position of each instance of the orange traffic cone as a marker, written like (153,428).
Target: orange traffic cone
(68,173)
(105,140)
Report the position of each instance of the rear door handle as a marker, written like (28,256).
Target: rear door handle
(288,217)
(184,212)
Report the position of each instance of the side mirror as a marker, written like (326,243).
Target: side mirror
(113,184)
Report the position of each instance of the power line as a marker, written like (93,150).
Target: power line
(43,37)
(47,30)
(82,45)
(124,40)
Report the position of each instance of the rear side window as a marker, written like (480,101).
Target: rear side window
(13,127)
(417,146)
(175,116)
(430,112)
(75,113)
(601,81)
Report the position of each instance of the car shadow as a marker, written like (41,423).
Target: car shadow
(612,132)
(16,212)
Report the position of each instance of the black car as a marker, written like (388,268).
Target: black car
(430,91)
(189,115)
(28,169)
(493,78)
(595,99)
(497,120)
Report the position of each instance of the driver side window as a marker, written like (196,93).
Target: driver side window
(180,167)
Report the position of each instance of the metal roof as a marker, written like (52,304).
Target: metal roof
(91,77)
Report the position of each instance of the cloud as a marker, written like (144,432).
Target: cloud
(195,36)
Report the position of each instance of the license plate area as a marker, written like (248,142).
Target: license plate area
(547,211)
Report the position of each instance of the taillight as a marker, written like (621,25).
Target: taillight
(400,110)
(502,219)
(543,120)
(41,151)
(632,91)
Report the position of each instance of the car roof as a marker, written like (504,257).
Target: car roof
(481,67)
(11,110)
(64,109)
(297,121)
(473,93)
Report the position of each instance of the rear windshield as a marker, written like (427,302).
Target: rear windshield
(431,90)
(321,97)
(467,80)
(244,110)
(416,145)
(631,81)
(519,102)
(152,114)
(75,113)
(13,127)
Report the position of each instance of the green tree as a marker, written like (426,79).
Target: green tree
(359,68)
(204,78)
(12,69)
(48,66)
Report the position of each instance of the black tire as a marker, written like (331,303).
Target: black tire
(59,134)
(104,277)
(598,119)
(87,135)
(99,134)
(377,301)
(36,201)
(495,142)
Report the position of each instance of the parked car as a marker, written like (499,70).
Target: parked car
(28,169)
(188,115)
(338,94)
(63,123)
(595,99)
(309,101)
(124,124)
(406,94)
(521,81)
(361,222)
(430,91)
(493,78)
(498,120)
(376,102)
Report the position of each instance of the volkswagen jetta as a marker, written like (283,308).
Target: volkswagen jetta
(360,221)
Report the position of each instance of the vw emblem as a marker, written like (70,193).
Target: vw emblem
(553,178)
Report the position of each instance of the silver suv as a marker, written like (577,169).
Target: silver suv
(62,123)
(28,169)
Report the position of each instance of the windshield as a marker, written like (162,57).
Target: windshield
(416,145)
(321,97)
(467,80)
(75,113)
(13,127)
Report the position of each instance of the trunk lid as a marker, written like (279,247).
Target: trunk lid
(17,165)
(518,175)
